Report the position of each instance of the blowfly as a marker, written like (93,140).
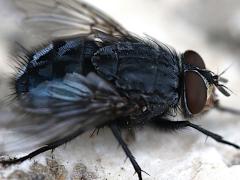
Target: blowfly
(91,73)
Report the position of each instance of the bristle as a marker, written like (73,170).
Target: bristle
(19,60)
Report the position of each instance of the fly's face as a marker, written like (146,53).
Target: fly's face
(199,84)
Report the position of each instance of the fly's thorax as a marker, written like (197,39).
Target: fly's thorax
(138,66)
(140,69)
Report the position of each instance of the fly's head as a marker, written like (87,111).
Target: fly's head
(199,85)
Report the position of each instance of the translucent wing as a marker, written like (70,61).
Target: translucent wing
(61,18)
(56,109)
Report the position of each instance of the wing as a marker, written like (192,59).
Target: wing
(60,18)
(56,109)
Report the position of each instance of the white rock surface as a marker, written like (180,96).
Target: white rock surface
(182,155)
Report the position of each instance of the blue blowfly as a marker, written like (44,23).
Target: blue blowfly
(91,73)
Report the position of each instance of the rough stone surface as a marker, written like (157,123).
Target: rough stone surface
(37,171)
(182,155)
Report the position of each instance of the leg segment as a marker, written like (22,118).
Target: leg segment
(164,123)
(50,146)
(117,134)
(227,109)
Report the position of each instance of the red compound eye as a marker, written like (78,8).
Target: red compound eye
(195,88)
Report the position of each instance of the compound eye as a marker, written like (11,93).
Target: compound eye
(193,58)
(195,88)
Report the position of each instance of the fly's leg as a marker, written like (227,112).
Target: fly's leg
(117,134)
(50,146)
(130,135)
(219,107)
(229,110)
(95,131)
(174,125)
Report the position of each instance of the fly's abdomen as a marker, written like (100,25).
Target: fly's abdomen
(140,68)
(55,60)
